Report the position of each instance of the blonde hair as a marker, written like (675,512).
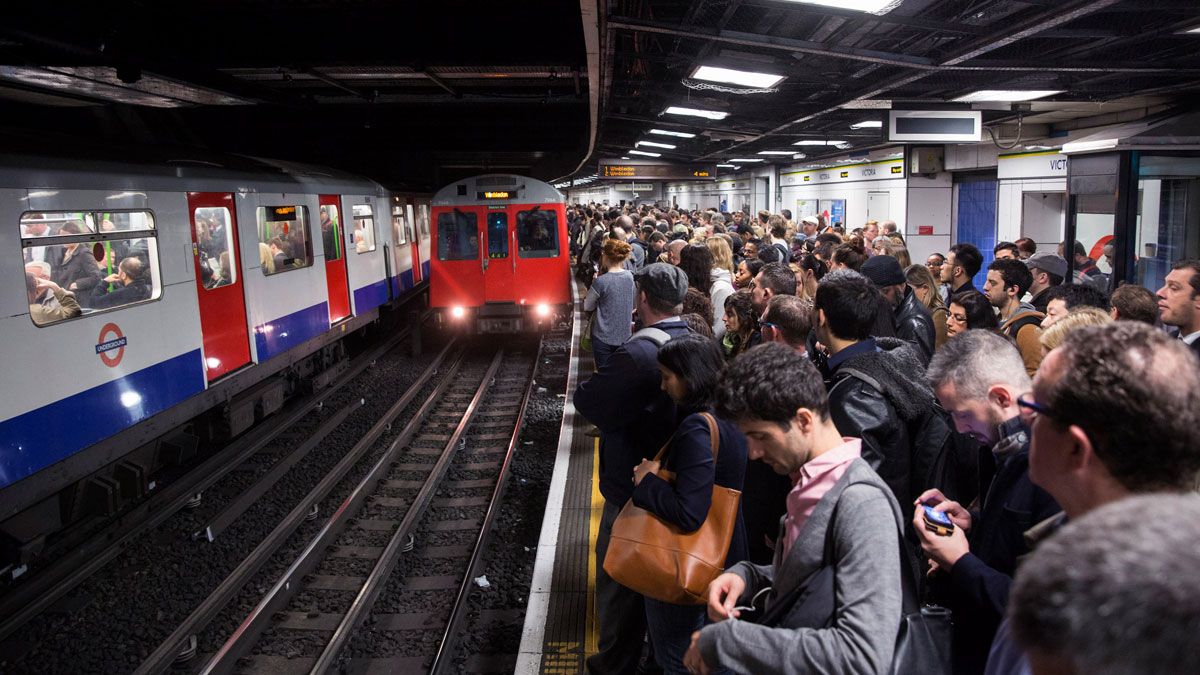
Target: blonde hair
(919,275)
(721,251)
(1077,318)
(902,256)
(265,258)
(616,250)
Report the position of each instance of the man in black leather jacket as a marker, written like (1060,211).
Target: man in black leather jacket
(876,386)
(913,321)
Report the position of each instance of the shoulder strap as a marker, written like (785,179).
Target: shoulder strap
(714,435)
(658,336)
(1024,321)
(860,375)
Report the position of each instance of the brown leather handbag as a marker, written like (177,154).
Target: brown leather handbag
(659,561)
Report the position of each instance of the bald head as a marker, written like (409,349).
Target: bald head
(624,222)
(673,248)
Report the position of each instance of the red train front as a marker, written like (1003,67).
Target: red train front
(501,257)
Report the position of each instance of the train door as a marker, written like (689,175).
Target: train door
(222,303)
(402,252)
(333,237)
(416,246)
(501,256)
(458,276)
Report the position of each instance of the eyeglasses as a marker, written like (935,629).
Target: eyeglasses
(1035,407)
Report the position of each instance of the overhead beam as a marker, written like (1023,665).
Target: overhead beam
(1062,13)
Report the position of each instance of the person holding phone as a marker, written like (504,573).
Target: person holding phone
(978,377)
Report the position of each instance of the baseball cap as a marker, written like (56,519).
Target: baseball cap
(665,282)
(1048,262)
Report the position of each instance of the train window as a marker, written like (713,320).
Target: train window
(537,234)
(458,236)
(399,227)
(331,227)
(214,239)
(283,241)
(497,234)
(74,268)
(364,228)
(423,219)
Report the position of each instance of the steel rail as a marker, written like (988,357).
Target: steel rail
(164,655)
(247,498)
(50,584)
(445,652)
(383,567)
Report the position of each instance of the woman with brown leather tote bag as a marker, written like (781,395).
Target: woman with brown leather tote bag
(683,525)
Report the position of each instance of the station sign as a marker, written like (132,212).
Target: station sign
(882,170)
(1046,164)
(634,170)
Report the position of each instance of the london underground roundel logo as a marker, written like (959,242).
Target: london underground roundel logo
(111,346)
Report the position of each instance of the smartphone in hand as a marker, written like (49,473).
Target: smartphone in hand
(937,522)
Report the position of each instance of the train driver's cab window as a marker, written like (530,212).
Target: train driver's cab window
(331,228)
(364,228)
(497,234)
(399,227)
(537,234)
(214,242)
(81,262)
(283,241)
(458,236)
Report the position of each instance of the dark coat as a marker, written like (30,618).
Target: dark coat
(635,417)
(103,298)
(1040,300)
(915,324)
(976,589)
(882,420)
(80,269)
(685,503)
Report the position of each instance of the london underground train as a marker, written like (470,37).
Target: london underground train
(196,283)
(500,260)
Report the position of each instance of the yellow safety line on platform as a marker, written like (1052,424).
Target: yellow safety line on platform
(591,640)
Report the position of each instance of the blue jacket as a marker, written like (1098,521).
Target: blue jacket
(685,503)
(976,590)
(625,401)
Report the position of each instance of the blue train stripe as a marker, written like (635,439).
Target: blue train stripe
(425,269)
(39,438)
(370,297)
(280,335)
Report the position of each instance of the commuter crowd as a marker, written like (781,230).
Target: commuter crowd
(930,477)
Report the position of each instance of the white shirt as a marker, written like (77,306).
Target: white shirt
(1190,339)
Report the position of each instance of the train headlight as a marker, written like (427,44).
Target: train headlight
(543,310)
(458,312)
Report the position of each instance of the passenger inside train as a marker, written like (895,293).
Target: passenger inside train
(960,466)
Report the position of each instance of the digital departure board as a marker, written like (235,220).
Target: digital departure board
(654,170)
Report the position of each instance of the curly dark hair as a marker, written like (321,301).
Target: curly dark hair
(1136,392)
(770,382)
(979,310)
(742,306)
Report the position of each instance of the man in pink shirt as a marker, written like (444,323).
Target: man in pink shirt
(778,400)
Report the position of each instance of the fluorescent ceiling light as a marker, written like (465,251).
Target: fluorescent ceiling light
(676,134)
(646,154)
(626,157)
(1006,95)
(775,152)
(1085,146)
(872,6)
(868,104)
(813,142)
(726,166)
(695,112)
(655,145)
(867,124)
(748,159)
(1193,31)
(799,155)
(744,78)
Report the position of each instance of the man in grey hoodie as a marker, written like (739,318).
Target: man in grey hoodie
(777,399)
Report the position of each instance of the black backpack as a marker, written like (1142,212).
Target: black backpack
(941,457)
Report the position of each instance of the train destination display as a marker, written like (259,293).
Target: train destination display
(655,170)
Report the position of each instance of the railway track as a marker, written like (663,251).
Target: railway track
(439,479)
(280,442)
